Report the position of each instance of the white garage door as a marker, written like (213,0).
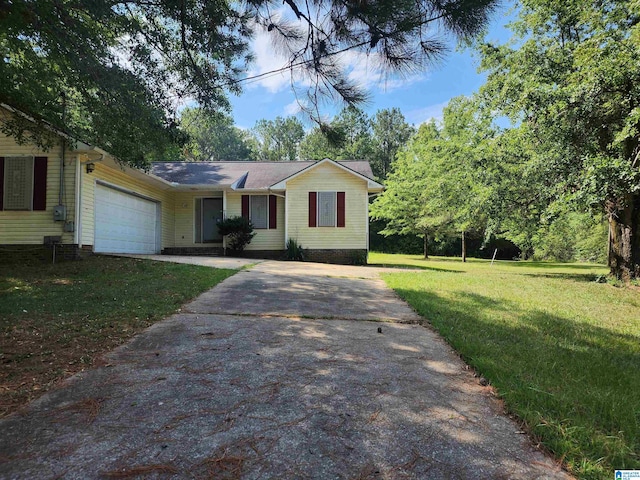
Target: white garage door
(124,223)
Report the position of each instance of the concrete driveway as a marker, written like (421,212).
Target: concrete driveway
(276,373)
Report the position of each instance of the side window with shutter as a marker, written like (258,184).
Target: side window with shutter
(327,209)
(18,183)
(23,183)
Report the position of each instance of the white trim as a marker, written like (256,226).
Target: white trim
(33,181)
(366,201)
(371,184)
(267,208)
(224,216)
(125,190)
(77,233)
(286,219)
(335,209)
(201,200)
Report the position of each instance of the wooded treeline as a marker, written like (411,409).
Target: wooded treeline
(568,84)
(353,135)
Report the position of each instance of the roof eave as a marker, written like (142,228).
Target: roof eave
(372,185)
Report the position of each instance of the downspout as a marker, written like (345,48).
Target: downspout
(61,189)
(64,148)
(77,237)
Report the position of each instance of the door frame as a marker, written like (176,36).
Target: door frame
(200,241)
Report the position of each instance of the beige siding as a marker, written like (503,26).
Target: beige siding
(265,239)
(121,179)
(185,217)
(328,177)
(29,227)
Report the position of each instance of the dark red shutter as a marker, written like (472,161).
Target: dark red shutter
(245,206)
(40,183)
(341,209)
(273,211)
(1,182)
(313,204)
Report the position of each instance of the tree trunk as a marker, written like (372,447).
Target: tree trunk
(426,245)
(464,247)
(624,238)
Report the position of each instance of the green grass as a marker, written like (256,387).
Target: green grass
(562,350)
(56,320)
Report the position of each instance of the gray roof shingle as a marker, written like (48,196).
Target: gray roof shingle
(259,175)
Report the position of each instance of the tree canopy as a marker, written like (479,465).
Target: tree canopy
(353,135)
(214,137)
(114,73)
(570,82)
(279,139)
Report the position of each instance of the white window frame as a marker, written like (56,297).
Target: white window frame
(5,190)
(266,197)
(335,209)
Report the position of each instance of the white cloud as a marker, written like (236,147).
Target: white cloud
(425,114)
(367,72)
(267,60)
(292,108)
(362,69)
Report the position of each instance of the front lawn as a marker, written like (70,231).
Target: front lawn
(562,350)
(55,320)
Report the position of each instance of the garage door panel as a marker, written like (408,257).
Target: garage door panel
(124,223)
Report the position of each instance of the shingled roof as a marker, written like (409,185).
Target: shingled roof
(242,175)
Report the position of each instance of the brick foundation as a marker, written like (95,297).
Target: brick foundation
(339,256)
(264,254)
(205,251)
(12,254)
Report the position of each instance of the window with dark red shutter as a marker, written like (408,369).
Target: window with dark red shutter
(40,183)
(313,204)
(1,182)
(245,206)
(341,209)
(273,211)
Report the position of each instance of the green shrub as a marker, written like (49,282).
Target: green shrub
(238,231)
(294,251)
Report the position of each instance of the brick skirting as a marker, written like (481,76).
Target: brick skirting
(338,256)
(11,254)
(205,251)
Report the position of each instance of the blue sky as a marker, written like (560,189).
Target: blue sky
(420,97)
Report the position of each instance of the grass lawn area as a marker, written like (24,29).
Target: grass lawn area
(56,320)
(562,350)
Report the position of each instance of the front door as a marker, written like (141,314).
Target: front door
(211,215)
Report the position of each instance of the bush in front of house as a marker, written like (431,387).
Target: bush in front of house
(294,251)
(239,232)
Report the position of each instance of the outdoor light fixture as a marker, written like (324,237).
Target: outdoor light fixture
(90,167)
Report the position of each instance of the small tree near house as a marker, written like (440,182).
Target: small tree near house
(238,232)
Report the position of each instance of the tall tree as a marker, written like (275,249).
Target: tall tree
(406,205)
(390,133)
(570,80)
(112,72)
(213,137)
(316,146)
(353,129)
(279,139)
(348,137)
(125,66)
